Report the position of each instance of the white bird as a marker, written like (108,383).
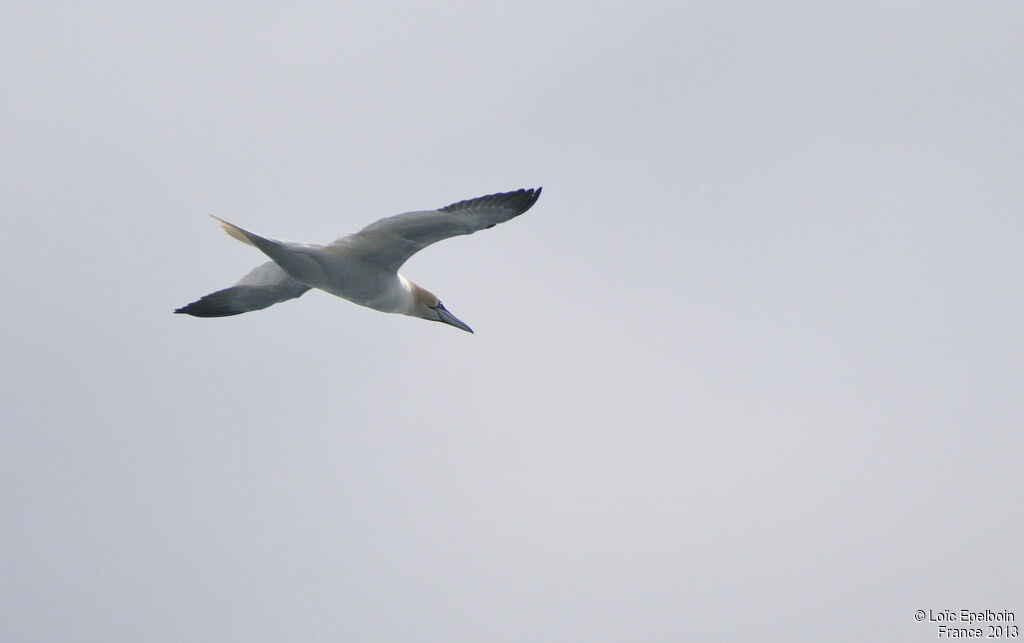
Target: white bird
(361,267)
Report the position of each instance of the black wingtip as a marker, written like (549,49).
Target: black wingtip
(532,194)
(520,200)
(217,304)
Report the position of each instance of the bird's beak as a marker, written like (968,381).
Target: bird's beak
(449,318)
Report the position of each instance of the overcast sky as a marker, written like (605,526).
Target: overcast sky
(750,369)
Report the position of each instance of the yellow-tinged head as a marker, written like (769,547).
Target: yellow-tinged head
(426,305)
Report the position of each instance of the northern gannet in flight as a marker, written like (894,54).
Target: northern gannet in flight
(361,267)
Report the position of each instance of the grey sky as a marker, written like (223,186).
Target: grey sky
(750,369)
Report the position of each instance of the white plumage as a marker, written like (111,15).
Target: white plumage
(361,267)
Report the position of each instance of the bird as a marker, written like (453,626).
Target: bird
(361,267)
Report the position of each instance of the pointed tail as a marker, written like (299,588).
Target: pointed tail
(297,264)
(269,247)
(238,233)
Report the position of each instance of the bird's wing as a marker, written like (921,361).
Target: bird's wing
(264,286)
(389,242)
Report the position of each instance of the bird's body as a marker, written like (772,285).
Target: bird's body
(361,267)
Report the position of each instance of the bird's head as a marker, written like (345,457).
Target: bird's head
(426,305)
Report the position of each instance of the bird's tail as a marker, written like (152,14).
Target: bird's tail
(270,247)
(295,264)
(238,233)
